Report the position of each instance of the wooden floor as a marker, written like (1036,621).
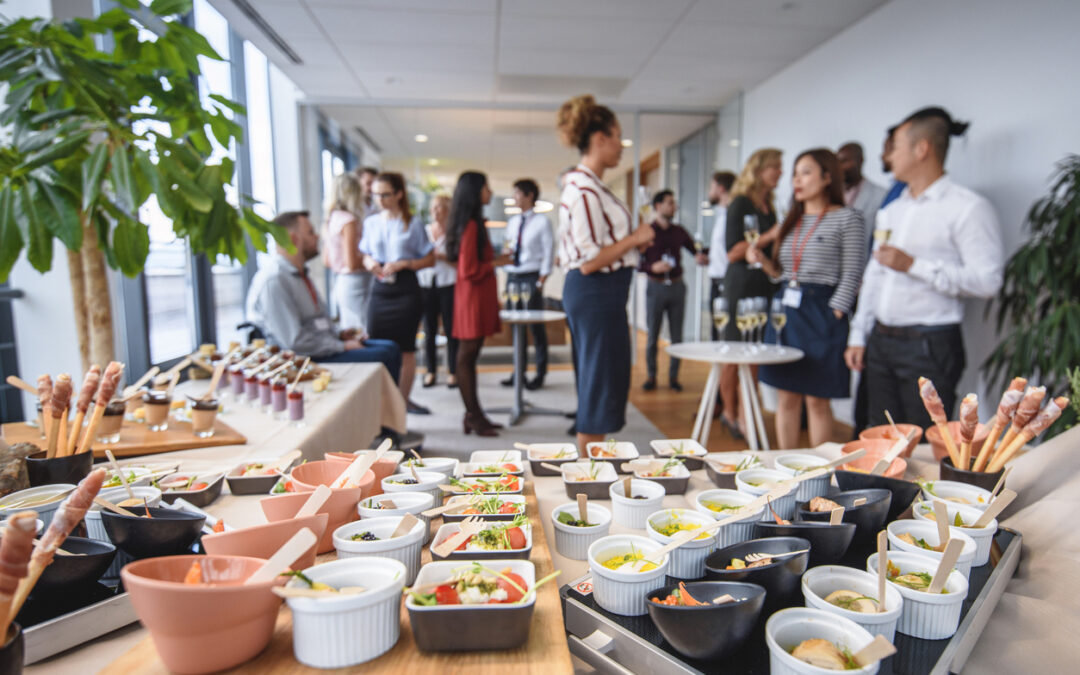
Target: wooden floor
(673,412)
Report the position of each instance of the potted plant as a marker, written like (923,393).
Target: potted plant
(95,134)
(1040,298)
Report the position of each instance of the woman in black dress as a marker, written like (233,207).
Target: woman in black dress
(752,197)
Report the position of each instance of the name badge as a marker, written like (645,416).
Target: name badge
(322,323)
(792,297)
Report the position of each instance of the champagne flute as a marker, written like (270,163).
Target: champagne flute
(670,260)
(721,317)
(779,318)
(882,235)
(751,233)
(761,305)
(526,293)
(515,296)
(742,318)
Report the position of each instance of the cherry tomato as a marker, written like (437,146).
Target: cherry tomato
(511,482)
(516,538)
(512,594)
(446,595)
(199,486)
(508,508)
(509,468)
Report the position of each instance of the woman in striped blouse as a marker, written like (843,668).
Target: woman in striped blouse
(820,259)
(597,246)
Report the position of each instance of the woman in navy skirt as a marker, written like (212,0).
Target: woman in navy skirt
(820,260)
(597,247)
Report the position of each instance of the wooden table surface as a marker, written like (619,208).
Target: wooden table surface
(545,652)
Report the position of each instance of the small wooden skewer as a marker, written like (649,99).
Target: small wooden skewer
(945,567)
(408,521)
(941,516)
(880,648)
(836,516)
(882,567)
(106,504)
(175,370)
(219,370)
(120,472)
(265,364)
(20,383)
(299,374)
(1001,482)
(59,551)
(583,507)
(896,429)
(137,384)
(172,384)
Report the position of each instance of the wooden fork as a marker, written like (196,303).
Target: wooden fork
(755,557)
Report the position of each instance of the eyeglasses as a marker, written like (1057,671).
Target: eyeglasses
(383,195)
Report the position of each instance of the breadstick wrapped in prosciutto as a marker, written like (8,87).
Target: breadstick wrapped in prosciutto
(969,422)
(936,408)
(86,395)
(1010,399)
(110,380)
(1040,423)
(70,513)
(15,550)
(1025,412)
(58,404)
(44,393)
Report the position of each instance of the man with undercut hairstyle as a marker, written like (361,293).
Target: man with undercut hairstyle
(945,245)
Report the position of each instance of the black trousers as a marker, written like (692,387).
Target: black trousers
(661,299)
(538,330)
(894,364)
(439,301)
(716,290)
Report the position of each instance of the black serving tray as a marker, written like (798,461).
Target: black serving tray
(633,644)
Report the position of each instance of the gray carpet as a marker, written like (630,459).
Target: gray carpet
(444,437)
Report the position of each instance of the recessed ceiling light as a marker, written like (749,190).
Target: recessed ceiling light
(420,138)
(626,142)
(509,201)
(543,206)
(734,142)
(433,162)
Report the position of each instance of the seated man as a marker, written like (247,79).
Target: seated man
(284,304)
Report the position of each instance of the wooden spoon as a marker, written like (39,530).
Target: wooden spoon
(314,502)
(941,517)
(880,648)
(120,472)
(882,567)
(283,557)
(997,506)
(945,567)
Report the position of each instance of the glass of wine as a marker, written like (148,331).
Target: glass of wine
(751,233)
(526,293)
(504,295)
(779,318)
(515,295)
(881,236)
(743,318)
(721,317)
(762,307)
(670,260)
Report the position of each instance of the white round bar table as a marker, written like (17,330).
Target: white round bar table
(519,319)
(743,355)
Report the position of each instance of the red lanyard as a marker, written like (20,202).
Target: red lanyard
(311,289)
(798,247)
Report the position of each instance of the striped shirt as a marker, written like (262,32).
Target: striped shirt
(591,218)
(834,255)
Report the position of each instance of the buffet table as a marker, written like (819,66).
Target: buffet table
(1029,631)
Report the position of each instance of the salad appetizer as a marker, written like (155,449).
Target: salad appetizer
(916,581)
(663,471)
(740,564)
(633,556)
(852,601)
(503,537)
(928,485)
(680,597)
(921,543)
(496,469)
(258,469)
(365,536)
(607,451)
(675,526)
(592,474)
(566,519)
(822,505)
(720,507)
(114,479)
(734,468)
(957,520)
(564,453)
(477,584)
(315,589)
(182,483)
(824,654)
(491,506)
(504,483)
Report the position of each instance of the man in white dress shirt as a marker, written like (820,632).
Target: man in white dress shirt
(719,198)
(859,193)
(945,246)
(532,251)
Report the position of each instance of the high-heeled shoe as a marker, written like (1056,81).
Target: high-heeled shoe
(477,424)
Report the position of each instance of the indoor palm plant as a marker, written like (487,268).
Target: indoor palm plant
(1039,302)
(92,134)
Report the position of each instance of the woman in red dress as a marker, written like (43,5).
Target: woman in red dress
(476,302)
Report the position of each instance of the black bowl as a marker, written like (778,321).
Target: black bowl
(781,579)
(69,469)
(167,532)
(11,653)
(869,518)
(200,498)
(986,481)
(67,571)
(903,492)
(828,543)
(713,631)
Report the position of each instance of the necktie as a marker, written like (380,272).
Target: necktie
(311,289)
(520,236)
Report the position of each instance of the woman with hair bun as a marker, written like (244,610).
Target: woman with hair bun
(597,245)
(341,253)
(395,246)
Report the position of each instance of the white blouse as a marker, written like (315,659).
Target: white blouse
(591,218)
(442,273)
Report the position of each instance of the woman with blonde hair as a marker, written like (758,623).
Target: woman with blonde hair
(341,252)
(751,203)
(598,246)
(437,289)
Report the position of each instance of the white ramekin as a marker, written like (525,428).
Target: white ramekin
(983,536)
(447,466)
(808,489)
(732,533)
(406,502)
(787,628)
(785,506)
(945,490)
(429,483)
(45,511)
(573,542)
(819,582)
(926,616)
(338,632)
(624,593)
(633,513)
(405,548)
(687,561)
(928,531)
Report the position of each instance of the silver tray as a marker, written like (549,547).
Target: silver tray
(74,628)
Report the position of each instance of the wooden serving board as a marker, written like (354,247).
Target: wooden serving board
(545,652)
(136,439)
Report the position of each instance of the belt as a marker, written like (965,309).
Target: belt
(912,332)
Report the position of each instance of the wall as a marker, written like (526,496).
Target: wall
(1005,66)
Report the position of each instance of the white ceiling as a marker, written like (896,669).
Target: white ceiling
(656,54)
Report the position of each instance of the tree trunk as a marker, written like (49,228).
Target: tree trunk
(98,301)
(78,301)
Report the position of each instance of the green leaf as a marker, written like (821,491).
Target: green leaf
(51,116)
(230,104)
(122,184)
(39,252)
(66,225)
(167,7)
(131,243)
(92,169)
(11,241)
(57,151)
(192,193)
